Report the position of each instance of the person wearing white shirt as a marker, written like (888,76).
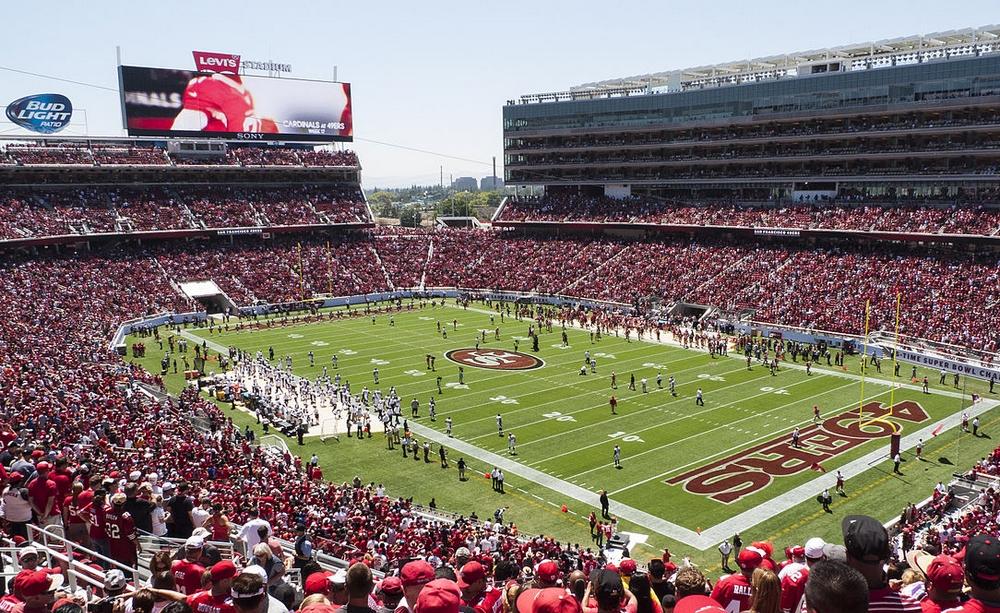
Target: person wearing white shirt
(248,533)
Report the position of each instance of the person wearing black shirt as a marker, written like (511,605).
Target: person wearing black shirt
(180,510)
(141,510)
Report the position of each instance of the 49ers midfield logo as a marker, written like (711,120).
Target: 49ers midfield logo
(497,359)
(751,470)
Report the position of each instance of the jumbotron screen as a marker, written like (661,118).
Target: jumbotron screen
(186,103)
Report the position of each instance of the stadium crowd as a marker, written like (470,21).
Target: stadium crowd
(32,213)
(74,414)
(968,218)
(127,154)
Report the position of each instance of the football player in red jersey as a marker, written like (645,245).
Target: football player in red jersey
(119,528)
(220,103)
(734,591)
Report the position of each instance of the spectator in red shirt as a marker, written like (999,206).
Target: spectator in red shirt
(76,526)
(44,497)
(736,588)
(414,576)
(476,591)
(982,571)
(440,596)
(94,514)
(123,540)
(945,579)
(216,599)
(187,572)
(38,589)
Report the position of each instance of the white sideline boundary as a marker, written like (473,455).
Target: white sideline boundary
(709,537)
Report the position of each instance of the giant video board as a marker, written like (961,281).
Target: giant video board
(186,103)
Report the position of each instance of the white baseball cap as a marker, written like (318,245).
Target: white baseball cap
(814,548)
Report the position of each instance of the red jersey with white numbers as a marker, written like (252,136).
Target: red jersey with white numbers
(733,592)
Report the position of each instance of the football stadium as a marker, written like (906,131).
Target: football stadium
(728,341)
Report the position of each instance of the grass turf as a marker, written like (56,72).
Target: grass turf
(564,427)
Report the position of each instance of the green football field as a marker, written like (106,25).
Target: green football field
(686,470)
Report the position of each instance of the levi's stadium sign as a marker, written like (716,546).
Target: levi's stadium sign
(494,359)
(42,113)
(228,63)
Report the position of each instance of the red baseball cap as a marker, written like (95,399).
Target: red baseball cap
(943,572)
(750,558)
(439,596)
(317,583)
(38,582)
(471,572)
(548,571)
(798,551)
(43,466)
(627,566)
(547,600)
(223,570)
(391,585)
(698,604)
(946,573)
(417,572)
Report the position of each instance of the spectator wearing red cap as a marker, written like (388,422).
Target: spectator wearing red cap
(867,544)
(44,497)
(547,600)
(945,578)
(734,591)
(38,590)
(982,571)
(698,604)
(439,596)
(216,599)
(390,590)
(476,590)
(547,574)
(413,577)
(319,583)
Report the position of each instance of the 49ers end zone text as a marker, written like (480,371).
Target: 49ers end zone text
(494,359)
(751,470)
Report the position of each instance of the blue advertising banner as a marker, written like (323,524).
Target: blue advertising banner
(42,113)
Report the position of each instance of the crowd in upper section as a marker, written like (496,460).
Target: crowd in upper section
(28,213)
(980,217)
(138,154)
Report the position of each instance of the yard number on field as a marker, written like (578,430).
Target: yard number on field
(628,438)
(556,415)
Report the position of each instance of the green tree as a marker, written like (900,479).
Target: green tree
(409,217)
(461,204)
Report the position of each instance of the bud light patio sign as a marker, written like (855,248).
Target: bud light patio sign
(42,113)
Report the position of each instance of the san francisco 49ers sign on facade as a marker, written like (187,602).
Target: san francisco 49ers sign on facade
(496,359)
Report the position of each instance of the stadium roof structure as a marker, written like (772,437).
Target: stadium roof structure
(906,50)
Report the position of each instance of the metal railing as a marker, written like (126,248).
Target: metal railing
(59,548)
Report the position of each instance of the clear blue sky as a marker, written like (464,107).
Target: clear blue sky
(434,75)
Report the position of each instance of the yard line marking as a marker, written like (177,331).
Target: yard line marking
(681,440)
(629,416)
